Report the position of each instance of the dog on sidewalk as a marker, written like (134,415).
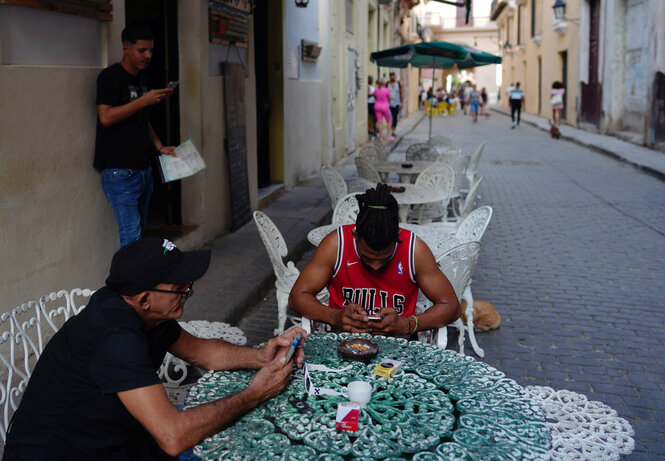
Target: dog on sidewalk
(554,131)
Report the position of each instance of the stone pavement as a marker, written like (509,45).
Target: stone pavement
(573,260)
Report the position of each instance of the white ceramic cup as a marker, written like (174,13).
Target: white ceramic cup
(359,392)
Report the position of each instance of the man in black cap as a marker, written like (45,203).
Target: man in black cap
(95,393)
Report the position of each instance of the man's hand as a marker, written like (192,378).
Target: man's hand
(391,324)
(152,97)
(277,347)
(168,150)
(352,318)
(272,378)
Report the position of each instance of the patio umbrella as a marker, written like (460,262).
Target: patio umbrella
(433,55)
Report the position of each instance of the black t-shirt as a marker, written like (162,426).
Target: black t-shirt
(70,409)
(125,144)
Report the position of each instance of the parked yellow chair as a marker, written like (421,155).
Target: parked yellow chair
(428,108)
(440,108)
(451,108)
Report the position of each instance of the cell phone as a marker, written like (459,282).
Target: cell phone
(292,348)
(173,84)
(374,317)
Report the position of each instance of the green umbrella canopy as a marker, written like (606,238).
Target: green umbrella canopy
(433,55)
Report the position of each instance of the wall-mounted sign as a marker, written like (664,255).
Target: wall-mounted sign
(310,50)
(228,21)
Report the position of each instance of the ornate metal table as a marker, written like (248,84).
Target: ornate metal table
(387,167)
(442,405)
(439,241)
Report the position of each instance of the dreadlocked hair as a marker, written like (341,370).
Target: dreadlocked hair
(378,219)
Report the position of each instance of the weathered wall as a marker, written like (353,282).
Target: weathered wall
(520,64)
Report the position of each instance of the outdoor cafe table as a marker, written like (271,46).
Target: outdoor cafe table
(442,405)
(437,240)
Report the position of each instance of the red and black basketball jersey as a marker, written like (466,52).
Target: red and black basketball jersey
(395,286)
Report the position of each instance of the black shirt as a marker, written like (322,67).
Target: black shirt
(125,144)
(70,409)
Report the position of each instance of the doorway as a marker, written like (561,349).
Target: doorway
(161,17)
(591,91)
(564,79)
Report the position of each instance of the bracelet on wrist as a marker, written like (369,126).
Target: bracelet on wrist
(415,327)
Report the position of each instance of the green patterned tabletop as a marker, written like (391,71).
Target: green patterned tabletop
(441,406)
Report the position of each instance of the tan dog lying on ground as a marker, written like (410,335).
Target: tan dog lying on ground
(554,131)
(485,316)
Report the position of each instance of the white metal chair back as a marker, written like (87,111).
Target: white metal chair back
(381,150)
(360,185)
(370,153)
(470,200)
(366,170)
(421,151)
(335,184)
(439,176)
(346,210)
(473,226)
(458,265)
(473,163)
(440,143)
(459,164)
(285,274)
(25,331)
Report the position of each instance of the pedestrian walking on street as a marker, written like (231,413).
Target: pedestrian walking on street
(475,102)
(382,109)
(126,142)
(557,102)
(516,99)
(483,96)
(396,99)
(371,117)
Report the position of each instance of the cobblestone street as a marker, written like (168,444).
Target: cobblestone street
(573,260)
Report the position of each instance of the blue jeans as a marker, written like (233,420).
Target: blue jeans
(128,191)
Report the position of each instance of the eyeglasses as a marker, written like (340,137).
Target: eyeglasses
(187,293)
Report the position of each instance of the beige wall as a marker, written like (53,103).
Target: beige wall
(521,64)
(57,229)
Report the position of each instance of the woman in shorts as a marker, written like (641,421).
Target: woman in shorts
(382,108)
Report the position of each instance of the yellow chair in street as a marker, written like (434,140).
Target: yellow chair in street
(440,108)
(428,108)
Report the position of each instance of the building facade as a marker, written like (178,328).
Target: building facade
(538,50)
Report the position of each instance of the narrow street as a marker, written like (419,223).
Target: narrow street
(573,260)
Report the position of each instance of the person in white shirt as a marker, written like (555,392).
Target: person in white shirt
(516,98)
(396,98)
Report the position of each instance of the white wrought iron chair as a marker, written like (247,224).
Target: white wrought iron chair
(335,184)
(437,176)
(360,185)
(463,206)
(370,153)
(381,150)
(366,170)
(286,274)
(421,151)
(473,163)
(458,265)
(346,210)
(440,143)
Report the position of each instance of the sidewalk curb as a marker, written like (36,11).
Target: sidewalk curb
(610,153)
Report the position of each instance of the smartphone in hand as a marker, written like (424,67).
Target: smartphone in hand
(375,317)
(292,348)
(173,84)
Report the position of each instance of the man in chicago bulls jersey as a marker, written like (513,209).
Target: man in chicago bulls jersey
(373,270)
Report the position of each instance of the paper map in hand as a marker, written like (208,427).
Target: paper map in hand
(187,162)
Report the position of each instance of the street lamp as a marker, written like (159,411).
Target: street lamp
(507,46)
(559,8)
(302,3)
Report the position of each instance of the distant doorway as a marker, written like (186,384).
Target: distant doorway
(591,91)
(161,16)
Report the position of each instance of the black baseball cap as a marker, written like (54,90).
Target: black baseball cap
(392,72)
(149,261)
